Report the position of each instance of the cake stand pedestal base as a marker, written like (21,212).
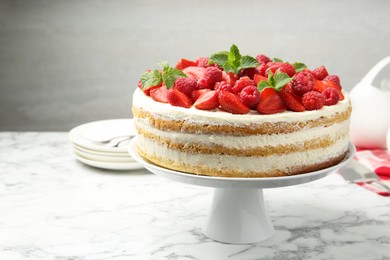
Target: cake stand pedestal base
(238,216)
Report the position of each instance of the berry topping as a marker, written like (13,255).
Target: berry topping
(320,73)
(250,96)
(197,93)
(291,100)
(270,102)
(178,99)
(184,63)
(194,72)
(219,86)
(202,62)
(302,83)
(231,103)
(211,76)
(241,83)
(331,96)
(207,101)
(159,94)
(282,67)
(333,78)
(185,85)
(236,83)
(262,59)
(313,100)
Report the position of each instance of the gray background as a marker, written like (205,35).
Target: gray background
(64,63)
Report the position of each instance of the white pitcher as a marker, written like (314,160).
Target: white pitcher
(370,119)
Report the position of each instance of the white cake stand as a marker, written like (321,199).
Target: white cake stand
(238,214)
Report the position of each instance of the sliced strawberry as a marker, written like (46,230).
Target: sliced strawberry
(231,103)
(319,86)
(257,78)
(292,101)
(331,84)
(270,102)
(159,94)
(197,93)
(195,72)
(207,101)
(178,99)
(184,63)
(229,78)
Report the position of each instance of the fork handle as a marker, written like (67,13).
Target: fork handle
(372,187)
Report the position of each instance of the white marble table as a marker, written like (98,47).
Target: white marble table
(53,207)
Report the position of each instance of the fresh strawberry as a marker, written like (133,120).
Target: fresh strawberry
(334,78)
(186,85)
(207,101)
(197,93)
(270,102)
(257,78)
(313,100)
(231,103)
(262,59)
(291,100)
(178,99)
(331,84)
(282,67)
(222,85)
(250,96)
(241,83)
(229,78)
(272,67)
(331,96)
(194,72)
(184,63)
(159,94)
(320,73)
(211,76)
(303,82)
(319,86)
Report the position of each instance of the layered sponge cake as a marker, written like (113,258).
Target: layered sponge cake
(237,116)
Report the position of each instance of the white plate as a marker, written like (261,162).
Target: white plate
(102,130)
(109,165)
(100,153)
(113,159)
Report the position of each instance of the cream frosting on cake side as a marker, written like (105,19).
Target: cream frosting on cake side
(250,145)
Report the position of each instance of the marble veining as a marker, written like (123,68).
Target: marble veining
(53,207)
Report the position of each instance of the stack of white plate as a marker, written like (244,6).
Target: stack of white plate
(104,144)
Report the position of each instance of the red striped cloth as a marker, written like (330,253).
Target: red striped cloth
(378,160)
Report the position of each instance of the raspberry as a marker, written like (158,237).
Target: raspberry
(331,95)
(186,85)
(202,62)
(320,73)
(250,96)
(262,59)
(313,100)
(212,75)
(241,83)
(333,78)
(282,67)
(249,72)
(219,86)
(302,83)
(262,68)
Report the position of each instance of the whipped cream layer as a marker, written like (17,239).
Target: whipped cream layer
(195,116)
(244,164)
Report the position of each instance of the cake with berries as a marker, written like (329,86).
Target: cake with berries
(240,116)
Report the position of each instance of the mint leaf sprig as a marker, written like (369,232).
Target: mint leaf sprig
(232,61)
(276,81)
(167,75)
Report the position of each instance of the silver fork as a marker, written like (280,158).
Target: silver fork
(356,172)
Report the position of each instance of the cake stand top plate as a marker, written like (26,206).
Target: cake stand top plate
(228,182)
